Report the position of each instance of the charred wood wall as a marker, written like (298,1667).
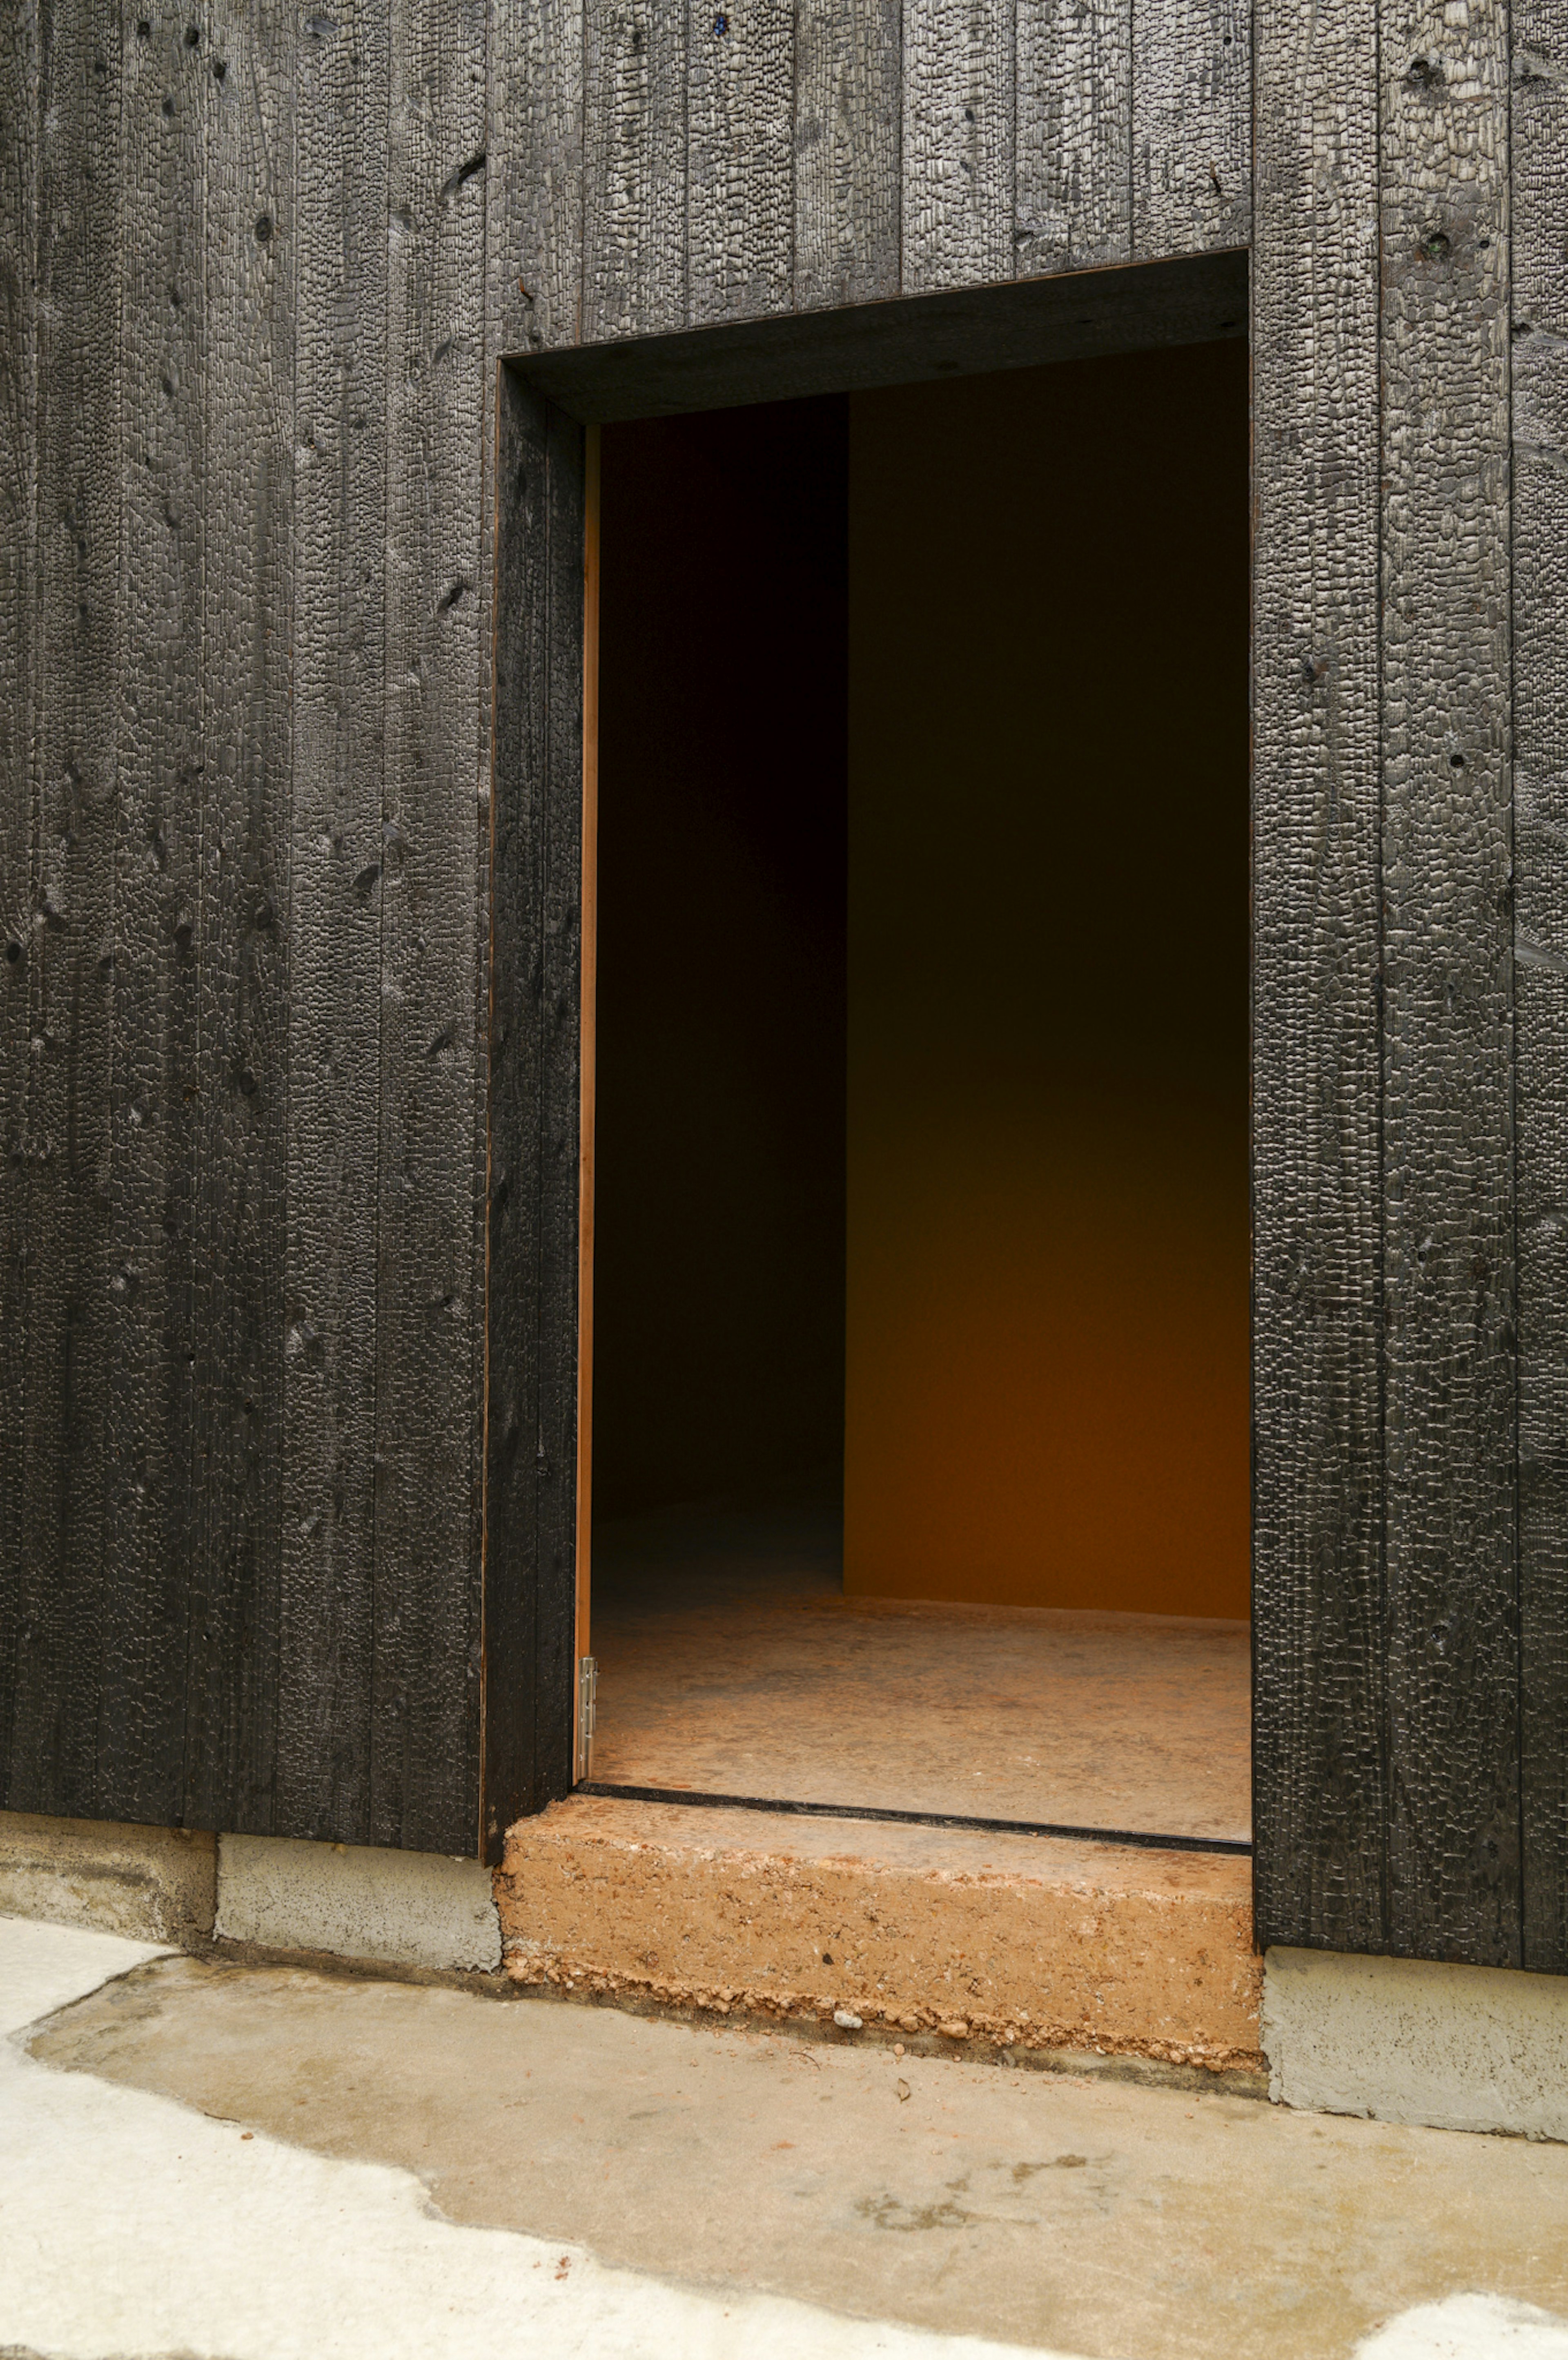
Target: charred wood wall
(1410,1518)
(257,263)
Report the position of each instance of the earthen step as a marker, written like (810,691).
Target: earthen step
(1025,1942)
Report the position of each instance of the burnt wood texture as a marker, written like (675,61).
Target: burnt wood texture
(290,791)
(257,265)
(535,1006)
(1320,1701)
(1539,392)
(1390,1625)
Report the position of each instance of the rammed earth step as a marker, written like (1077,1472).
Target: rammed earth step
(1027,1944)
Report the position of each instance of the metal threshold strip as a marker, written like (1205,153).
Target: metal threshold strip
(911,1819)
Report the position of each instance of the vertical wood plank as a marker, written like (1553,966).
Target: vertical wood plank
(1539,364)
(425,1709)
(1453,1661)
(740,179)
(520,739)
(534,180)
(634,194)
(1191,124)
(1074,172)
(957,158)
(535,1103)
(847,69)
(587,1068)
(154,1579)
(62,1618)
(334,922)
(1320,1775)
(561,1118)
(242,897)
(19,129)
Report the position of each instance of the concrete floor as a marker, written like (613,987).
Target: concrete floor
(222,2161)
(730,1660)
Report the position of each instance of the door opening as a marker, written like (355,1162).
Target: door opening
(919,1238)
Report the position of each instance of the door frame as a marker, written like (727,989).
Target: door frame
(544,823)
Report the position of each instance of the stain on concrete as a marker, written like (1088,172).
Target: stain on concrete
(1093,2217)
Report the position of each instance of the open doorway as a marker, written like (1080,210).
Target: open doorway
(920,1266)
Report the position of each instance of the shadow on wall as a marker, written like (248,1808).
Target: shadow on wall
(719,1218)
(1047,943)
(991,636)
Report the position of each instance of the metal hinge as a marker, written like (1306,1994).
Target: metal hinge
(587,1699)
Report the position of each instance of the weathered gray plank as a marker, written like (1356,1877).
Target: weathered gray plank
(846,152)
(425,1713)
(1540,157)
(18,575)
(243,895)
(334,922)
(956,205)
(740,179)
(633,163)
(62,1615)
(1191,124)
(1073,173)
(534,177)
(1453,1668)
(1318,1777)
(153,1578)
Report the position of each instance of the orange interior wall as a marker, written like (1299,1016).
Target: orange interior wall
(1047,1190)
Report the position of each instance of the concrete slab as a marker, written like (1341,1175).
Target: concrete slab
(1106,2220)
(409,1909)
(1005,1941)
(1410,2040)
(132,2224)
(155,1884)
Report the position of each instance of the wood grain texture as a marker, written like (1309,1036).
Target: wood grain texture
(62,1621)
(153,1584)
(327,1609)
(534,174)
(1540,403)
(560,1020)
(957,197)
(919,339)
(634,166)
(242,896)
(847,63)
(740,177)
(424,1726)
(1072,170)
(1191,124)
(1320,1775)
(1452,1644)
(587,1074)
(535,978)
(19,131)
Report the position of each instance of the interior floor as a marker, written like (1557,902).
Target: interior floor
(730,1662)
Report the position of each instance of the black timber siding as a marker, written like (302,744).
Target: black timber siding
(288,803)
(257,264)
